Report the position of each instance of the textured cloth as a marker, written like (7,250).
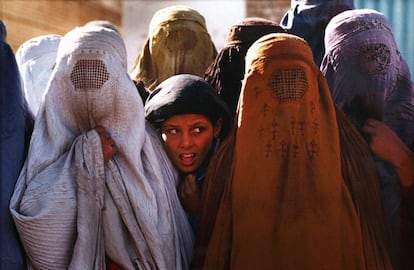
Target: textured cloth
(287,203)
(16,124)
(3,32)
(70,209)
(308,19)
(217,175)
(178,42)
(186,94)
(368,78)
(227,70)
(225,74)
(103,23)
(36,59)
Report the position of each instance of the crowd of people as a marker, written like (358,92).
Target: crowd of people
(289,148)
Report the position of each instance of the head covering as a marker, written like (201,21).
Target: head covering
(308,19)
(368,78)
(36,58)
(102,23)
(178,42)
(287,149)
(360,45)
(186,94)
(15,129)
(227,70)
(3,32)
(349,3)
(72,210)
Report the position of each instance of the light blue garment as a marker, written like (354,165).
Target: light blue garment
(15,128)
(73,211)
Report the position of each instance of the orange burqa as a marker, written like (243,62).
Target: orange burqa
(286,205)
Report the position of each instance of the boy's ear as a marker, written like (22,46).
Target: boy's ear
(217,127)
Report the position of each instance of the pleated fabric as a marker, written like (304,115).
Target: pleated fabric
(72,210)
(288,202)
(226,72)
(178,42)
(36,58)
(369,78)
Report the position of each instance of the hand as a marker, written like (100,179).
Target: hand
(108,144)
(384,142)
(190,194)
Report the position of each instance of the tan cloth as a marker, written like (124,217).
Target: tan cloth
(178,42)
(286,204)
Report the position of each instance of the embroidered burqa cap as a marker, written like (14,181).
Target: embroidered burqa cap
(369,78)
(287,199)
(360,45)
(178,42)
(36,58)
(71,210)
(227,70)
(308,19)
(16,123)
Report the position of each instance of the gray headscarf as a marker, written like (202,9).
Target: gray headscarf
(71,209)
(368,78)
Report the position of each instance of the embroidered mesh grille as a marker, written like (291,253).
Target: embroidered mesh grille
(289,84)
(89,74)
(183,39)
(374,58)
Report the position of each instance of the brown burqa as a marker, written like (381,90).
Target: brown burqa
(291,201)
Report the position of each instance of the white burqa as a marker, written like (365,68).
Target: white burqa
(36,58)
(72,210)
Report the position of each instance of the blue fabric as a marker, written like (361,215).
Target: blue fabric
(15,128)
(3,32)
(308,20)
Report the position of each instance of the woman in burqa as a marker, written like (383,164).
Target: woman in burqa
(226,72)
(293,197)
(369,78)
(36,58)
(73,211)
(16,123)
(308,19)
(178,42)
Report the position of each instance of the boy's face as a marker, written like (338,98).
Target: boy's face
(188,139)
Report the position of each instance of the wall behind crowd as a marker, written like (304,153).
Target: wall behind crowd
(26,19)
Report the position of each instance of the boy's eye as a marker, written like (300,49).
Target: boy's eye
(170,131)
(199,129)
